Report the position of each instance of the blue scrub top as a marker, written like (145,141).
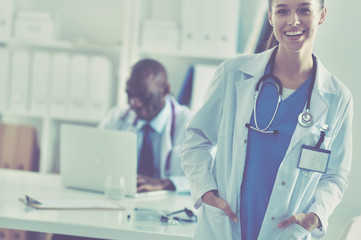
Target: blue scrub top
(266,151)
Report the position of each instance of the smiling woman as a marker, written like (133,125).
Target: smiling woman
(282,175)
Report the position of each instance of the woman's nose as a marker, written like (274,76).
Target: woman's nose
(294,19)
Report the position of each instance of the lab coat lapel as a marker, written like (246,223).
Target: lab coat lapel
(245,89)
(257,65)
(319,104)
(245,98)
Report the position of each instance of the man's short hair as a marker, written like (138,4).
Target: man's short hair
(148,66)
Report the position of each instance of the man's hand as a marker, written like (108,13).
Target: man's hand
(210,198)
(148,184)
(308,221)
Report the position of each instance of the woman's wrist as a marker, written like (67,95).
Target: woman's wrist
(209,196)
(317,221)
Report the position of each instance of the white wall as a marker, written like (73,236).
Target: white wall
(339,47)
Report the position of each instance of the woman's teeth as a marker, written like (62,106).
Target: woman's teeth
(294,33)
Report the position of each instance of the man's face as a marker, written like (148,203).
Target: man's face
(146,96)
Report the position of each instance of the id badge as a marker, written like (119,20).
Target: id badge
(314,159)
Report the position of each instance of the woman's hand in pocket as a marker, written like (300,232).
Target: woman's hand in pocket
(212,199)
(308,221)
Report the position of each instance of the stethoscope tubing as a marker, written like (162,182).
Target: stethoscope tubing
(274,114)
(314,72)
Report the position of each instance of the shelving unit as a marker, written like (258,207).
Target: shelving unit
(114,29)
(85,29)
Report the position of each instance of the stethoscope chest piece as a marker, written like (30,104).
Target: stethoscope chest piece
(305,119)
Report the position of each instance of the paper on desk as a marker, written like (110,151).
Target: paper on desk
(75,204)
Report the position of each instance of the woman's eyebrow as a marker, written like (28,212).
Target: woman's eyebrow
(285,5)
(281,5)
(304,4)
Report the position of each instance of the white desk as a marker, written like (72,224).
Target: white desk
(88,223)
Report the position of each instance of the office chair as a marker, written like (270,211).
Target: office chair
(352,229)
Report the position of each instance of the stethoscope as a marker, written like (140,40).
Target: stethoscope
(172,131)
(166,218)
(305,118)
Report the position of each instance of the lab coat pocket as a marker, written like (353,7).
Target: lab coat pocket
(307,173)
(218,221)
(294,232)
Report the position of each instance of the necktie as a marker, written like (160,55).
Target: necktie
(146,160)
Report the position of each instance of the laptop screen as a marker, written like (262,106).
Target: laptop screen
(88,155)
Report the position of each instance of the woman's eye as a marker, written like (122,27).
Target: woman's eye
(305,11)
(281,11)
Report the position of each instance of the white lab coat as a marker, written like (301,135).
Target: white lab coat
(120,119)
(221,121)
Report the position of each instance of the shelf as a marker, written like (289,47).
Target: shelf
(178,53)
(65,45)
(92,120)
(22,114)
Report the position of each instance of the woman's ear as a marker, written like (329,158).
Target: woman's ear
(322,16)
(270,17)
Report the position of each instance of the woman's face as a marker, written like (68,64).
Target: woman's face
(295,22)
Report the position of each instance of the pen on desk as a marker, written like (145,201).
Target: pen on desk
(30,200)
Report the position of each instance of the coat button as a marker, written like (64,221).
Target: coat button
(245,141)
(283,183)
(272,218)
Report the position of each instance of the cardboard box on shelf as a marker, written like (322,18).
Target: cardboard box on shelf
(18,147)
(35,26)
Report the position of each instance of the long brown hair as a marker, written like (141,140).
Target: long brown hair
(272,41)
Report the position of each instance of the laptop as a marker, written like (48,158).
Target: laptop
(89,154)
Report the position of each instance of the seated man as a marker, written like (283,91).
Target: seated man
(159,121)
